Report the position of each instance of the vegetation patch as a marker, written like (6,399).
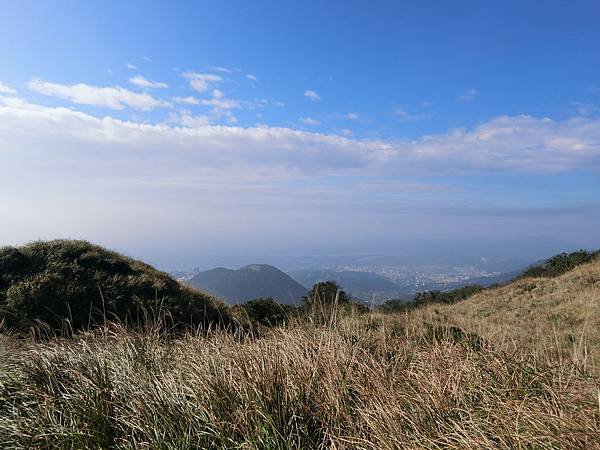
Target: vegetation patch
(559,264)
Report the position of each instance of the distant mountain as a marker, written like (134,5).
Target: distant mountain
(359,284)
(248,283)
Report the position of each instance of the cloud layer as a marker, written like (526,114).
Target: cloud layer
(509,143)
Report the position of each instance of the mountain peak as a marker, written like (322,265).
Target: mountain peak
(249,283)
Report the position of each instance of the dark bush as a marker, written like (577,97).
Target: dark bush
(422,298)
(559,264)
(326,293)
(268,312)
(394,306)
(428,297)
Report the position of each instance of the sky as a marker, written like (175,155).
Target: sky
(173,130)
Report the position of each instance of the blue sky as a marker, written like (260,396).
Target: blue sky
(268,126)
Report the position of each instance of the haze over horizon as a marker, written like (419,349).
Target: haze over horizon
(256,129)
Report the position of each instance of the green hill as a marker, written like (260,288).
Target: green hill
(62,280)
(249,283)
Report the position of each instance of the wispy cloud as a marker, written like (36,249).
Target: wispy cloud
(583,108)
(251,77)
(220,69)
(142,82)
(220,104)
(467,95)
(346,132)
(202,82)
(403,115)
(309,121)
(4,89)
(186,100)
(312,95)
(131,66)
(351,116)
(593,89)
(114,97)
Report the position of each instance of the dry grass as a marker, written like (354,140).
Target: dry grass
(383,382)
(369,381)
(540,313)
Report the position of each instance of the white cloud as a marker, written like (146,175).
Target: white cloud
(521,143)
(189,120)
(251,77)
(309,121)
(146,58)
(186,100)
(312,95)
(131,66)
(351,116)
(4,89)
(217,93)
(114,97)
(468,95)
(142,82)
(201,82)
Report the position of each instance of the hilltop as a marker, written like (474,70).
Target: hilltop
(249,283)
(85,284)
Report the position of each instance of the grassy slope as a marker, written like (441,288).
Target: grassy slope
(369,381)
(534,311)
(54,281)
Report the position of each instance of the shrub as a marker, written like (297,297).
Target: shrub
(268,312)
(394,306)
(447,296)
(559,264)
(325,300)
(326,293)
